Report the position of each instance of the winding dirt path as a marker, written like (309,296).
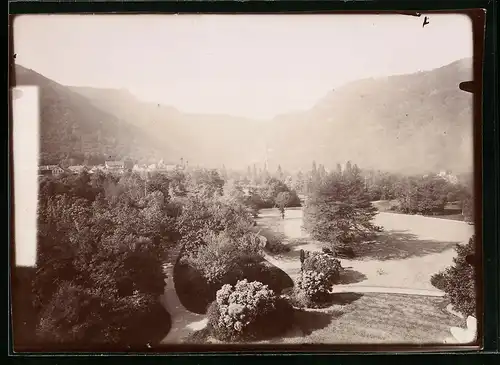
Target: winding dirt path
(183,322)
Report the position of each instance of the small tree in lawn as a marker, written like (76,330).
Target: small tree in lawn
(282,201)
(339,210)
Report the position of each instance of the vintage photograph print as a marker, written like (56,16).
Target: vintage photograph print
(242,180)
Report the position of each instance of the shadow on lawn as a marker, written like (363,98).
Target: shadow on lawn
(349,276)
(268,274)
(305,322)
(344,298)
(338,299)
(393,245)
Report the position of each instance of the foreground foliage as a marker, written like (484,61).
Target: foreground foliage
(247,310)
(312,287)
(323,263)
(99,268)
(458,280)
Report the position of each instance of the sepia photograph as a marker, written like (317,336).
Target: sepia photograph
(249,179)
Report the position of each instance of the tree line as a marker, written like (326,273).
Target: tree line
(103,240)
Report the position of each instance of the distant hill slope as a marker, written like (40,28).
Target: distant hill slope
(72,126)
(205,139)
(410,123)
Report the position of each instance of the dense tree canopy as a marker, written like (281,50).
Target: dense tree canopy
(426,195)
(102,243)
(339,211)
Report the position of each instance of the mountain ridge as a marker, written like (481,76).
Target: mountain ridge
(408,123)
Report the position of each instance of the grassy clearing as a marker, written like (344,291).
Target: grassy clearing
(409,251)
(367,318)
(378,318)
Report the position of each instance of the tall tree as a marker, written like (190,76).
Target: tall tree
(339,210)
(254,174)
(314,169)
(282,200)
(348,167)
(279,173)
(223,173)
(321,172)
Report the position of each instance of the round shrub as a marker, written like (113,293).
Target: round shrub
(312,287)
(323,263)
(243,311)
(277,247)
(459,283)
(221,254)
(438,280)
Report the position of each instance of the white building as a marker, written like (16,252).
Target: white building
(97,168)
(53,170)
(76,169)
(115,166)
(448,176)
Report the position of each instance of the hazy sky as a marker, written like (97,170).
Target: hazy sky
(249,65)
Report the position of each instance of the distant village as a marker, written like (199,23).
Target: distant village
(112,166)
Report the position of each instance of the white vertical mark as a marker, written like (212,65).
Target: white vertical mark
(26,140)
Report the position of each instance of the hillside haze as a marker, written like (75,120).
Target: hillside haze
(72,126)
(410,123)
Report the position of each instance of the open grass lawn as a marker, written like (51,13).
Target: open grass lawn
(367,318)
(405,255)
(375,318)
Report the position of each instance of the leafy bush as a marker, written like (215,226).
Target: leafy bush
(459,280)
(75,315)
(196,294)
(201,216)
(312,287)
(323,263)
(221,254)
(438,280)
(240,311)
(101,245)
(274,242)
(276,247)
(59,322)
